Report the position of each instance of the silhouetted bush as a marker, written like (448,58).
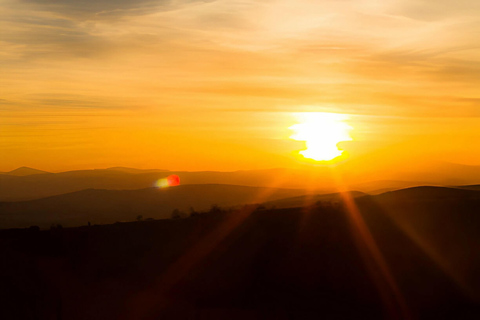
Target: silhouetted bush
(56,226)
(34,229)
(194,213)
(215,209)
(176,214)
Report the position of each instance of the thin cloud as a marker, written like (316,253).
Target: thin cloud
(107,9)
(168,63)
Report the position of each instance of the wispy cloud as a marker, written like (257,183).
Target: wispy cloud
(107,9)
(166,61)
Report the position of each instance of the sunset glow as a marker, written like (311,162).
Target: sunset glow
(322,132)
(239,159)
(156,84)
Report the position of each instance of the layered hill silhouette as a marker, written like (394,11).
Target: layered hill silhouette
(314,262)
(13,188)
(472,187)
(135,171)
(428,193)
(28,184)
(311,199)
(24,171)
(109,206)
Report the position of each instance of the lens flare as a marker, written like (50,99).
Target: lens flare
(170,181)
(321,132)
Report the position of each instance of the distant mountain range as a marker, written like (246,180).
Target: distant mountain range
(135,171)
(15,188)
(24,171)
(28,184)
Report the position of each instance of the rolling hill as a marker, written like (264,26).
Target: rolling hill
(100,206)
(471,187)
(309,200)
(29,184)
(24,171)
(428,193)
(295,263)
(109,206)
(13,188)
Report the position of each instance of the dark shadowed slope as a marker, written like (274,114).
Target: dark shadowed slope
(109,206)
(415,194)
(382,186)
(471,187)
(308,200)
(443,222)
(295,264)
(428,193)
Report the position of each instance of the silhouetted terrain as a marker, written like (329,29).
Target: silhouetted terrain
(472,187)
(28,184)
(24,171)
(382,186)
(311,199)
(109,206)
(17,188)
(135,171)
(315,262)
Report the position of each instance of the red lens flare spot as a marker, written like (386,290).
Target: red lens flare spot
(170,181)
(173,180)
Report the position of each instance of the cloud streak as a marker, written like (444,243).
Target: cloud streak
(107,9)
(168,63)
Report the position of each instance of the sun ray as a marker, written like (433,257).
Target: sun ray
(369,249)
(156,298)
(432,252)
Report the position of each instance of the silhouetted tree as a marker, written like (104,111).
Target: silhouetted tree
(56,226)
(139,217)
(193,213)
(215,209)
(34,229)
(176,214)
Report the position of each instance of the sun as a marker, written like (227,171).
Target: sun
(321,132)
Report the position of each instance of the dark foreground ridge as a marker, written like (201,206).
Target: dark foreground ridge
(295,263)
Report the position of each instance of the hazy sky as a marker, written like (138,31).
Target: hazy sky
(213,84)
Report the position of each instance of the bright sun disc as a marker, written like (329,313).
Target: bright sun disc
(321,132)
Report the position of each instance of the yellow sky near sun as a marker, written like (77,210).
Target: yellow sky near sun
(213,85)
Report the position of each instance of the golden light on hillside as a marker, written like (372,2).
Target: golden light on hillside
(322,132)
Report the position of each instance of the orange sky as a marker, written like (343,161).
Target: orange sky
(213,85)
